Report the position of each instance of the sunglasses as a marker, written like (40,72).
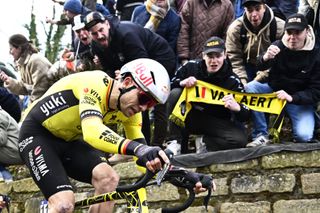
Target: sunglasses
(145,99)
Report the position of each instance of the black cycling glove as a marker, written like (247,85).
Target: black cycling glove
(146,153)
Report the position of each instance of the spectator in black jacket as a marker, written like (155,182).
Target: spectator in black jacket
(220,125)
(294,64)
(125,41)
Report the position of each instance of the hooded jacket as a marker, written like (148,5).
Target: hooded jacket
(257,41)
(296,71)
(224,78)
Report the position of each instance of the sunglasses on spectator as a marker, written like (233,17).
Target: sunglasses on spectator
(146,99)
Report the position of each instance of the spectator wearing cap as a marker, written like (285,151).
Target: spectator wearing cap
(71,9)
(294,63)
(81,59)
(201,19)
(219,125)
(249,36)
(126,41)
(33,68)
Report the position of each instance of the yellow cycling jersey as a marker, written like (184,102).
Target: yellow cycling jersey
(78,105)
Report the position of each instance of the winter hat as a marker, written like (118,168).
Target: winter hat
(74,6)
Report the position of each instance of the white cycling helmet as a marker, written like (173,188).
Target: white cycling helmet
(150,76)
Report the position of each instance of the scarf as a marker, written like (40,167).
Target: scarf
(156,14)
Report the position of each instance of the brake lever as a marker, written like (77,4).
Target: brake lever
(162,173)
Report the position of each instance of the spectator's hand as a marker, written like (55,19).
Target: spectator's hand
(243,81)
(67,55)
(50,21)
(272,51)
(188,82)
(96,60)
(117,74)
(80,67)
(3,76)
(151,157)
(283,95)
(230,103)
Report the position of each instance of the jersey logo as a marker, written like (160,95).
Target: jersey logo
(107,136)
(53,104)
(106,81)
(95,94)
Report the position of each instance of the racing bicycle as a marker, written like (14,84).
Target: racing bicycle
(137,202)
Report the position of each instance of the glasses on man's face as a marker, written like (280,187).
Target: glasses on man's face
(146,100)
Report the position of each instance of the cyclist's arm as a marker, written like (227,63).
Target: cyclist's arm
(103,138)
(95,132)
(133,128)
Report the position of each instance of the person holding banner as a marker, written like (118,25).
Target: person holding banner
(220,125)
(294,63)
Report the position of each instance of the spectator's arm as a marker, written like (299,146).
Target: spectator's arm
(183,48)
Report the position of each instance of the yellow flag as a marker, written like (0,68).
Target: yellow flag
(211,94)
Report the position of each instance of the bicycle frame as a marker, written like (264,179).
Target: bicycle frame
(136,200)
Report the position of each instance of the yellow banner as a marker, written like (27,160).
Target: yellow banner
(211,94)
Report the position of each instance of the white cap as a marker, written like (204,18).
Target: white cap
(78,24)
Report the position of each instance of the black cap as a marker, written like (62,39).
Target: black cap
(92,19)
(296,22)
(247,2)
(214,44)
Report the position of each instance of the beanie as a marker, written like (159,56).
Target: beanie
(74,6)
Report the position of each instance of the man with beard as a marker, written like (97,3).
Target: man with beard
(123,42)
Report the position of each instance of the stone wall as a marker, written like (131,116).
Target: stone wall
(279,183)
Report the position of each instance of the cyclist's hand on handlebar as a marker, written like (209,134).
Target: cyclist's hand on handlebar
(151,157)
(199,188)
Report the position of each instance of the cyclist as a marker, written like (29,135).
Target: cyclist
(64,134)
